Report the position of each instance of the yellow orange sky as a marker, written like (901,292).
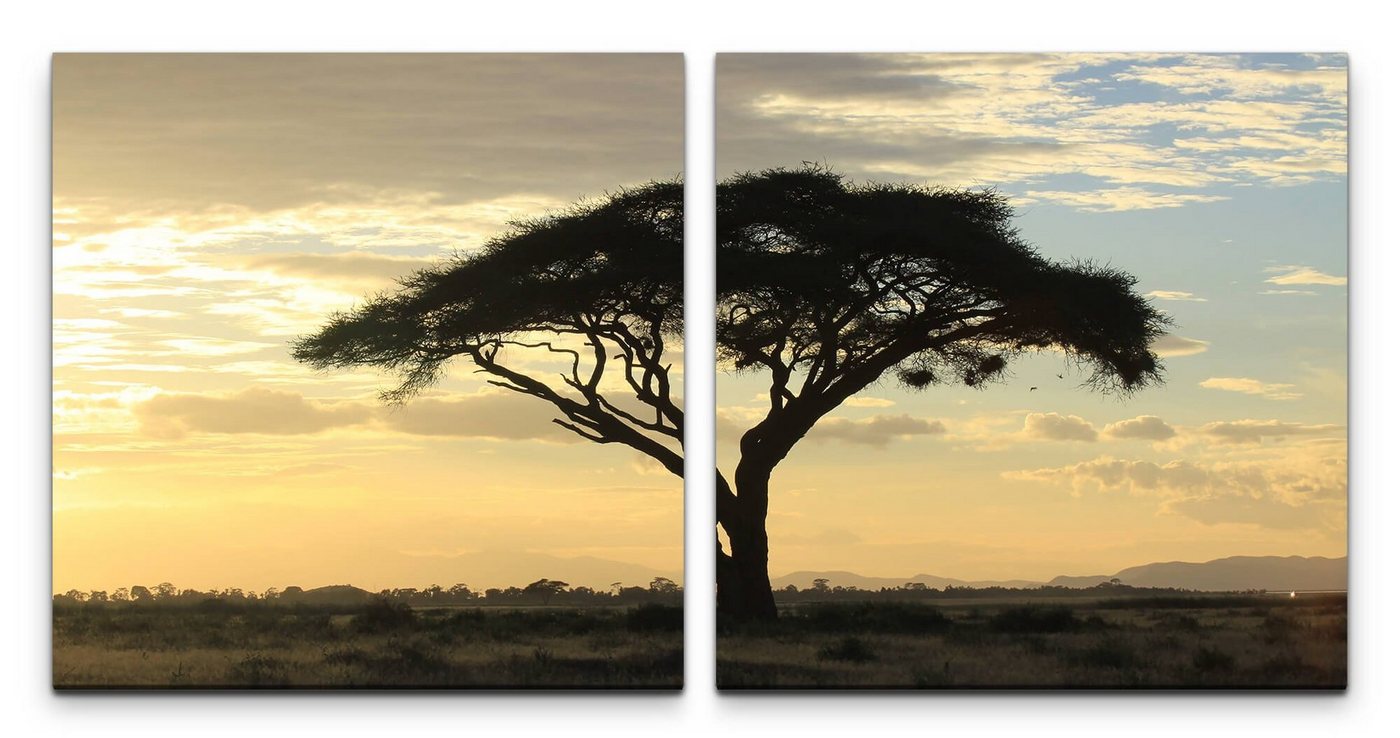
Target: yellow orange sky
(208,209)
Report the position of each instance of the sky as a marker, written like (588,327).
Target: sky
(209,209)
(1218,180)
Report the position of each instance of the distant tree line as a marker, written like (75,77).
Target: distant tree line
(823,591)
(543,591)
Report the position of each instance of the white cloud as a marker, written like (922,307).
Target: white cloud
(1008,119)
(1119,199)
(1255,431)
(1301,275)
(1056,427)
(1175,296)
(878,430)
(1170,345)
(1249,386)
(1296,489)
(1145,427)
(865,402)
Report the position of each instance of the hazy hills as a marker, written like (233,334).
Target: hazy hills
(498,568)
(803,580)
(1233,573)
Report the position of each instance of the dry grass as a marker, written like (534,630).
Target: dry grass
(142,649)
(1274,644)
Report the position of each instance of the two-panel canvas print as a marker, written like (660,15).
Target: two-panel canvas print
(1030,371)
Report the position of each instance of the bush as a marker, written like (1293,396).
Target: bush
(256,670)
(1212,659)
(874,617)
(1035,619)
(653,618)
(1108,654)
(849,648)
(381,615)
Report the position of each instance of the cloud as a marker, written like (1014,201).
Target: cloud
(267,131)
(253,410)
(493,415)
(1056,427)
(865,402)
(488,415)
(1144,427)
(1255,431)
(1170,345)
(1300,275)
(1120,199)
(877,431)
(1309,293)
(1248,386)
(355,267)
(1020,119)
(1292,490)
(1173,295)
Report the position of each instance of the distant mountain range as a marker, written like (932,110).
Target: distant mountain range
(1233,573)
(489,568)
(507,568)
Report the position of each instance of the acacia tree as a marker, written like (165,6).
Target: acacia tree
(828,287)
(825,286)
(598,286)
(545,589)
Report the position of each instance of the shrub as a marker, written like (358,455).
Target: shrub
(874,617)
(256,670)
(849,648)
(652,618)
(381,614)
(1108,654)
(1212,659)
(1035,619)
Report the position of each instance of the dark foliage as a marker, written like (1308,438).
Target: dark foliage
(1036,619)
(849,648)
(650,618)
(871,617)
(605,280)
(1212,659)
(818,274)
(384,615)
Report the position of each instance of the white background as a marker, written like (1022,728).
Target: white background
(698,28)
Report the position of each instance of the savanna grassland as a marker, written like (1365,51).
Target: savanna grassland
(379,645)
(1177,642)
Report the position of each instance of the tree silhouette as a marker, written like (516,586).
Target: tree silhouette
(545,589)
(663,586)
(598,287)
(828,287)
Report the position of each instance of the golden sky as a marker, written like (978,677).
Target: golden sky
(1218,180)
(209,209)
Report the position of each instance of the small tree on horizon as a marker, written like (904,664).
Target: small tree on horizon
(545,589)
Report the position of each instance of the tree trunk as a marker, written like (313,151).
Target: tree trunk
(751,595)
(744,590)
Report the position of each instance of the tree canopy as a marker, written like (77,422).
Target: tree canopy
(829,278)
(599,285)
